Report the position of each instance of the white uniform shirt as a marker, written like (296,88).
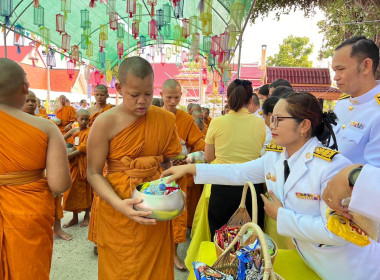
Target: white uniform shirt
(302,219)
(268,137)
(358,128)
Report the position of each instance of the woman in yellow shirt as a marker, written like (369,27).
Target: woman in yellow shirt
(233,138)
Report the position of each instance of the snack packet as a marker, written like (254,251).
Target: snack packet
(204,272)
(250,262)
(158,187)
(196,157)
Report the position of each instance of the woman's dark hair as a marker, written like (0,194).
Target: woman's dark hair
(304,105)
(264,90)
(239,94)
(269,104)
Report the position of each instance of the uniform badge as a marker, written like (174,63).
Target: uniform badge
(269,176)
(356,124)
(308,196)
(274,178)
(351,108)
(308,155)
(377,97)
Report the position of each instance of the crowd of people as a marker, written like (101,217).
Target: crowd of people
(90,159)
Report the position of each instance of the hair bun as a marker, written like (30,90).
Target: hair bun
(329,118)
(325,131)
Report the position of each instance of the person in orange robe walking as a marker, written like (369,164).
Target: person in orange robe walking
(79,197)
(136,140)
(189,132)
(28,146)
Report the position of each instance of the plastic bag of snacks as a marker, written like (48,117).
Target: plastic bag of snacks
(250,262)
(158,187)
(196,157)
(204,272)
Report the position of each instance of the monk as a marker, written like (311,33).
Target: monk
(135,139)
(190,108)
(206,115)
(101,95)
(41,111)
(66,113)
(31,105)
(28,146)
(193,137)
(79,197)
(198,118)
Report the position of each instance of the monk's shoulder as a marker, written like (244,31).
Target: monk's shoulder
(161,114)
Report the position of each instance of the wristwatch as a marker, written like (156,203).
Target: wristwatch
(353,176)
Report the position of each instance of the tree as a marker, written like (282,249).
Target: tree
(294,52)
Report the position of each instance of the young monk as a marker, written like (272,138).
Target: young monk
(101,95)
(66,114)
(189,132)
(135,139)
(79,197)
(41,111)
(30,106)
(28,146)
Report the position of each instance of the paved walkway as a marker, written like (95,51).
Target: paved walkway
(75,259)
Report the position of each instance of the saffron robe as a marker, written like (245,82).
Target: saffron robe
(129,250)
(26,202)
(66,114)
(79,197)
(207,121)
(189,132)
(42,113)
(94,116)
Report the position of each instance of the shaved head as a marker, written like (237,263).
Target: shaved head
(83,112)
(171,83)
(196,107)
(12,77)
(197,114)
(135,66)
(189,107)
(102,88)
(30,103)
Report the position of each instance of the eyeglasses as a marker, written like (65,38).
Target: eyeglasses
(274,119)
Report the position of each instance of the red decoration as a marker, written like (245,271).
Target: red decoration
(120,49)
(135,30)
(114,25)
(36,3)
(184,56)
(175,2)
(92,4)
(152,3)
(215,45)
(131,7)
(70,68)
(97,77)
(152,29)
(75,54)
(163,59)
(65,42)
(60,23)
(185,28)
(224,39)
(102,44)
(33,53)
(204,76)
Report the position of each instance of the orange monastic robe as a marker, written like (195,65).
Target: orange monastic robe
(26,203)
(94,116)
(42,113)
(66,114)
(189,132)
(79,197)
(207,121)
(129,250)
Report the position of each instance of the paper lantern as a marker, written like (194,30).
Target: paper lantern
(92,3)
(184,57)
(178,9)
(114,21)
(103,32)
(233,32)
(75,54)
(210,60)
(111,7)
(18,38)
(131,7)
(151,50)
(142,41)
(152,29)
(6,9)
(135,29)
(237,13)
(50,59)
(90,49)
(97,77)
(120,31)
(185,28)
(160,41)
(215,45)
(206,17)
(83,42)
(139,49)
(163,59)
(102,59)
(36,3)
(87,32)
(39,17)
(167,13)
(177,34)
(45,35)
(120,49)
(204,76)
(138,15)
(33,53)
(84,18)
(65,42)
(152,3)
(224,40)
(160,19)
(207,44)
(168,31)
(178,60)
(65,7)
(70,68)
(168,53)
(194,25)
(102,44)
(59,23)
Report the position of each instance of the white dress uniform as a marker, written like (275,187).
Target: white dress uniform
(366,193)
(358,127)
(303,215)
(268,137)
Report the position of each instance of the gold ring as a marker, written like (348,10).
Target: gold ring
(329,199)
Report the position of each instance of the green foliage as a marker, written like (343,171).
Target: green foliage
(294,52)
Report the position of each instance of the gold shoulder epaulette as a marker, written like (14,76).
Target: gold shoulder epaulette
(325,153)
(261,113)
(274,148)
(377,97)
(344,96)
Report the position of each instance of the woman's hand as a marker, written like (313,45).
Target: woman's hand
(126,207)
(271,207)
(176,172)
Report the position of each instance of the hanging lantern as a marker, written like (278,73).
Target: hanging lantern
(206,18)
(45,35)
(163,59)
(84,18)
(83,42)
(142,41)
(65,42)
(97,77)
(152,29)
(108,70)
(50,58)
(131,7)
(102,59)
(152,3)
(184,57)
(120,31)
(168,31)
(114,21)
(18,38)
(65,8)
(224,40)
(185,28)
(233,32)
(160,19)
(204,76)
(177,33)
(138,15)
(167,13)
(120,49)
(151,50)
(135,29)
(215,45)
(36,3)
(33,53)
(70,68)
(60,23)
(237,13)
(92,3)
(103,32)
(160,42)
(90,49)
(111,7)
(168,53)
(210,60)
(139,49)
(87,33)
(193,29)
(39,17)
(102,44)
(6,9)
(75,54)
(178,61)
(178,9)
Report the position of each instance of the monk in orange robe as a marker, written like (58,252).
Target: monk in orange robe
(206,115)
(189,132)
(79,197)
(28,146)
(30,106)
(41,111)
(66,113)
(136,140)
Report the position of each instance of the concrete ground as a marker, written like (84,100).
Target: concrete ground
(75,259)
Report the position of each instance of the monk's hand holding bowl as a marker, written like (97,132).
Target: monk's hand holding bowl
(176,172)
(125,206)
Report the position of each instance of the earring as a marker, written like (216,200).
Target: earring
(301,134)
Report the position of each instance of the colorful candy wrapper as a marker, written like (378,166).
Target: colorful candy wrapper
(158,187)
(204,272)
(250,262)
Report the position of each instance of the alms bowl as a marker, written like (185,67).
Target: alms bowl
(163,207)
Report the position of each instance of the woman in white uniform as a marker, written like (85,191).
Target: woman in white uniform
(298,128)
